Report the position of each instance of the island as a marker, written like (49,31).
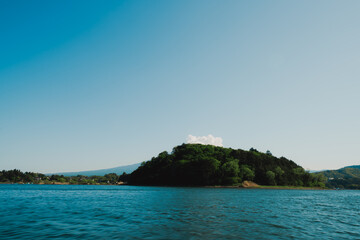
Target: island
(195,165)
(208,165)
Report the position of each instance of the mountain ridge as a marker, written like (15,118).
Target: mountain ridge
(101,172)
(347,177)
(352,166)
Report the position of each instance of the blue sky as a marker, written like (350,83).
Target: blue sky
(98,84)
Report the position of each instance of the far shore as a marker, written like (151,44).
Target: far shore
(217,186)
(64,183)
(272,187)
(292,188)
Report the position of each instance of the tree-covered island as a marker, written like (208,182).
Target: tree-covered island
(207,165)
(193,165)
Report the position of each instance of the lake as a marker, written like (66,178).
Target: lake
(129,212)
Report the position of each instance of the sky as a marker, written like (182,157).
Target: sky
(98,84)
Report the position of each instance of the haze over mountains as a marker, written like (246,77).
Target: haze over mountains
(118,170)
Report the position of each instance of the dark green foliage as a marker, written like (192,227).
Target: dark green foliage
(230,172)
(200,165)
(270,175)
(348,177)
(344,183)
(194,165)
(353,166)
(16,176)
(246,173)
(124,177)
(279,175)
(342,173)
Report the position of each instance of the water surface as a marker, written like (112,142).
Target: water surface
(128,212)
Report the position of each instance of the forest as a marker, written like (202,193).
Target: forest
(344,178)
(207,165)
(193,165)
(16,176)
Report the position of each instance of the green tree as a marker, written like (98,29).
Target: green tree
(206,169)
(298,171)
(230,172)
(270,175)
(62,180)
(111,178)
(278,175)
(300,175)
(246,173)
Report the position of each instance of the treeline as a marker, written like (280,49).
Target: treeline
(16,176)
(346,172)
(344,183)
(202,165)
(344,178)
(193,165)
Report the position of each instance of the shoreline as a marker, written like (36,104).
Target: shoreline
(58,183)
(272,187)
(236,186)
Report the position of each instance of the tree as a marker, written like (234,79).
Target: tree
(230,172)
(299,171)
(253,150)
(268,153)
(124,177)
(246,173)
(111,178)
(278,174)
(206,169)
(270,175)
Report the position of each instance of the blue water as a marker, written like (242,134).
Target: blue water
(126,212)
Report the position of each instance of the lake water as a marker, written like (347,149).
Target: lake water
(127,212)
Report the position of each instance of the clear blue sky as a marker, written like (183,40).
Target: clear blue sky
(98,84)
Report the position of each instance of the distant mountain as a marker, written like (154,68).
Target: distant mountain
(353,166)
(118,170)
(346,177)
(346,172)
(327,170)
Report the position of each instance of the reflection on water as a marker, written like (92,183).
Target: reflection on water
(108,212)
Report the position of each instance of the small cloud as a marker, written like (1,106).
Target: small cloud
(206,140)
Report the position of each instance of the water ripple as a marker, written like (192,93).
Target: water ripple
(110,212)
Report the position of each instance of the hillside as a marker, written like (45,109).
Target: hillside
(17,176)
(346,172)
(118,170)
(206,165)
(353,166)
(347,177)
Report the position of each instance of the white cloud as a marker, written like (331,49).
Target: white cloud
(206,140)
